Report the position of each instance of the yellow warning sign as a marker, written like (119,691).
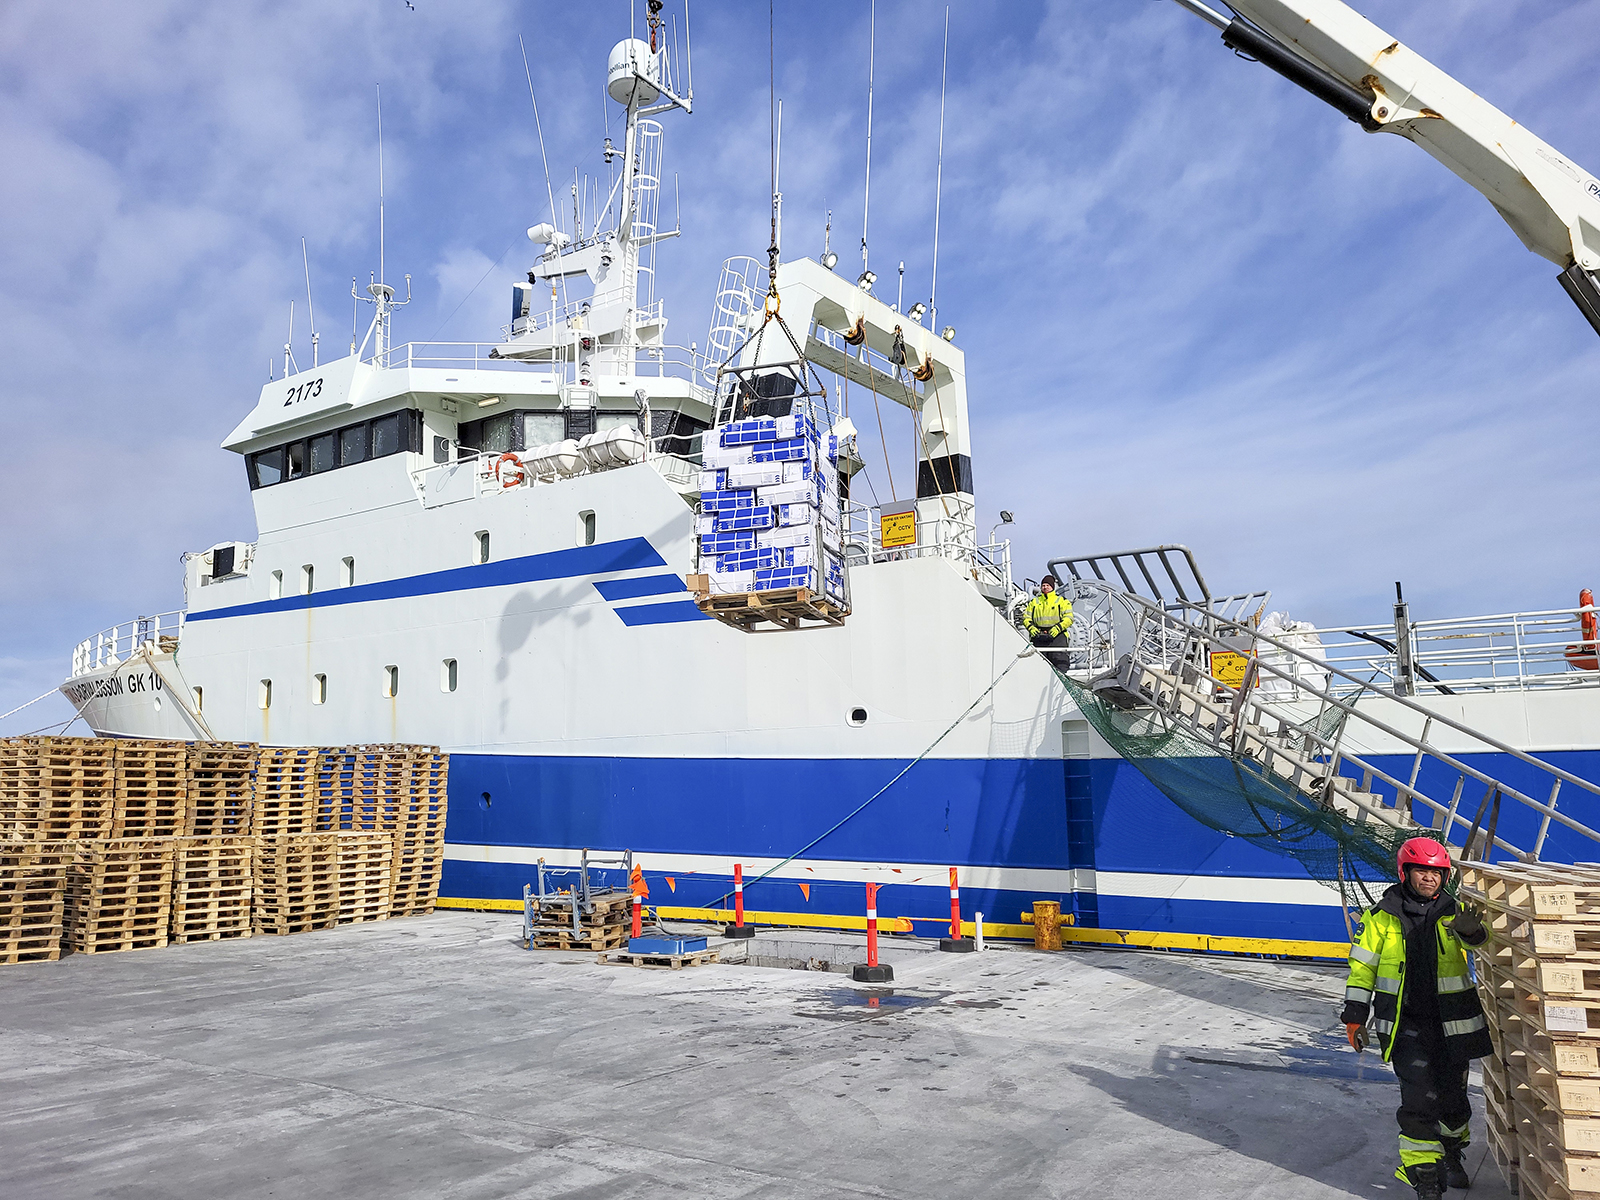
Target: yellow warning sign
(898,529)
(1228,667)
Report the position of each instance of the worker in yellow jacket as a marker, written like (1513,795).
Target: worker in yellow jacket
(1048,616)
(1409,978)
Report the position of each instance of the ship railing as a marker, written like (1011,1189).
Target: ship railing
(573,314)
(113,646)
(490,478)
(650,362)
(1500,652)
(937,537)
(1320,749)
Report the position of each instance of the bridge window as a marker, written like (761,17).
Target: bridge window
(392,434)
(542,428)
(324,452)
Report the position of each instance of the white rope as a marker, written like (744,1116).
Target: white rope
(31,703)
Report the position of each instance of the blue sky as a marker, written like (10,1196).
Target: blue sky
(1197,306)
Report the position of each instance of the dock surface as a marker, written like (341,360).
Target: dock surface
(433,1057)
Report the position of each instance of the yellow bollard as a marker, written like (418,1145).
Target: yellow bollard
(1046,925)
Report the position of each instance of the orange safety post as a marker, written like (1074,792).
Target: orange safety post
(738,929)
(955,942)
(871,971)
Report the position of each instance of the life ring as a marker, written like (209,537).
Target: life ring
(1584,655)
(515,477)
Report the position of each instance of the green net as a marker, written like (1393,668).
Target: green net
(1239,799)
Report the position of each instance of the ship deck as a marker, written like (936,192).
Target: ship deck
(433,1057)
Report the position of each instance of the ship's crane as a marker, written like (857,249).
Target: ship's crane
(1339,56)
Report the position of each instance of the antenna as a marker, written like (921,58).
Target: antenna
(355,314)
(548,190)
(938,186)
(866,204)
(688,51)
(288,351)
(310,308)
(380,182)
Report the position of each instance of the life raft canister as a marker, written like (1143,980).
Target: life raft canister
(1584,656)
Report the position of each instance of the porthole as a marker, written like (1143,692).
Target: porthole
(308,579)
(264,695)
(275,586)
(480,546)
(447,675)
(391,682)
(319,689)
(199,699)
(858,716)
(586,528)
(349,571)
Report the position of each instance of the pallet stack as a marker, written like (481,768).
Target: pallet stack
(548,922)
(126,844)
(57,789)
(398,790)
(119,894)
(33,881)
(1539,976)
(212,888)
(152,798)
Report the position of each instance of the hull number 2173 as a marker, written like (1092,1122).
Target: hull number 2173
(309,390)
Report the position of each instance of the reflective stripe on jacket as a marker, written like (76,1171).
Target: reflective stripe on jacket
(1046,611)
(1377,982)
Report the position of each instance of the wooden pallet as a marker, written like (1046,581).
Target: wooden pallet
(286,792)
(56,789)
(212,889)
(1544,938)
(662,962)
(32,894)
(1536,891)
(784,608)
(222,789)
(365,888)
(296,883)
(119,895)
(152,799)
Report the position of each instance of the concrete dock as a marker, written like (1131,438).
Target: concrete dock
(433,1057)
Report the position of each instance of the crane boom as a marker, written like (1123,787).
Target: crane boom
(1338,55)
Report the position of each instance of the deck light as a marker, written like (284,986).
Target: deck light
(865,280)
(830,260)
(949,333)
(488,400)
(917,310)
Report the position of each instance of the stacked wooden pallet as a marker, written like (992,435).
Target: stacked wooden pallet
(119,894)
(222,789)
(296,883)
(212,888)
(548,922)
(57,789)
(398,790)
(1539,975)
(126,844)
(33,880)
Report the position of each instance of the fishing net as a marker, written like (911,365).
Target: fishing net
(1236,798)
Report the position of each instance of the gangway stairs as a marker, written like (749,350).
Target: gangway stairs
(1316,737)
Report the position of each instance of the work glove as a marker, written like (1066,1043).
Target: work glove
(1055,631)
(1358,1037)
(1468,925)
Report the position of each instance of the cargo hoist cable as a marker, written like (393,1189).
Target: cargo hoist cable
(1026,652)
(29,704)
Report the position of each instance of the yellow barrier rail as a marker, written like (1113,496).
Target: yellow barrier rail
(1133,939)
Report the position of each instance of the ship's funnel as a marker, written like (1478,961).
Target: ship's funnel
(631,73)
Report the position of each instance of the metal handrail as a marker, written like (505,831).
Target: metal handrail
(116,644)
(1209,633)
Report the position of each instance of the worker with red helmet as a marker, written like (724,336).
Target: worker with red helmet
(1408,974)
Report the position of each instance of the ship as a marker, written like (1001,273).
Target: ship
(494,547)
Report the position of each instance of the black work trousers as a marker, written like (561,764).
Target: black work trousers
(1433,1086)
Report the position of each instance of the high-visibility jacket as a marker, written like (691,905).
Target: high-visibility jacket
(1376,986)
(1046,611)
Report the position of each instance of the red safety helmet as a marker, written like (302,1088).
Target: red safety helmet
(1422,852)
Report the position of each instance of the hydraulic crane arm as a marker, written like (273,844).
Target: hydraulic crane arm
(1339,56)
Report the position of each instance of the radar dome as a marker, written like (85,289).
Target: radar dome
(631,73)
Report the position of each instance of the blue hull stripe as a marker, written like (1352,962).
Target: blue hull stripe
(631,554)
(639,585)
(661,614)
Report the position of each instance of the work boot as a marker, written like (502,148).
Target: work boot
(1428,1179)
(1455,1175)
